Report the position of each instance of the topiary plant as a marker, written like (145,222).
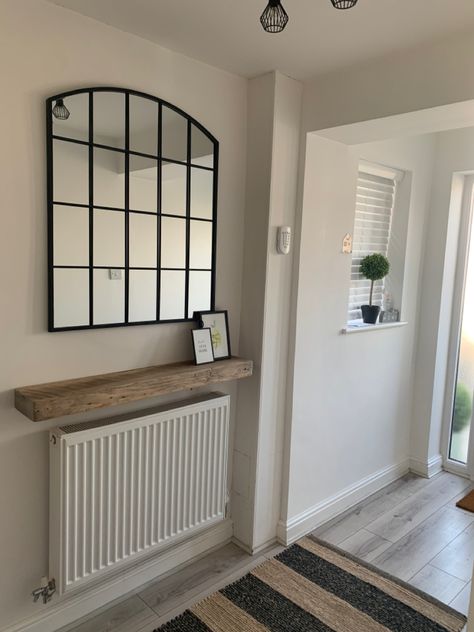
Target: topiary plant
(374,267)
(462,407)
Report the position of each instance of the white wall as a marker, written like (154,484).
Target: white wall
(274,107)
(351,414)
(44,50)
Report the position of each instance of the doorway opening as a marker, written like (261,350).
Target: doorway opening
(460,378)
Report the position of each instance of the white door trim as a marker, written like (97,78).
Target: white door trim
(465,228)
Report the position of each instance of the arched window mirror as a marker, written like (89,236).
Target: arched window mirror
(132,204)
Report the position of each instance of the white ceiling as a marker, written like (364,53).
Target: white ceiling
(318,38)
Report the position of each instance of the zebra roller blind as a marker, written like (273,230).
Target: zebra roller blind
(373,220)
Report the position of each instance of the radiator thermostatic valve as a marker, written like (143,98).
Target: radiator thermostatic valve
(45,591)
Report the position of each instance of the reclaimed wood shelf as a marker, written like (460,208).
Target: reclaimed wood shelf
(68,397)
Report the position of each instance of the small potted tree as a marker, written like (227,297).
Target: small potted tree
(373,267)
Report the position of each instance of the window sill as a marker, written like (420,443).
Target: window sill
(357,329)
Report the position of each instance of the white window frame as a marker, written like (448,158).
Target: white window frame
(360,287)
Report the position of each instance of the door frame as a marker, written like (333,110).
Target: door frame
(457,308)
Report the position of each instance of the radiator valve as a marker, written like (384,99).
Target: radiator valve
(45,591)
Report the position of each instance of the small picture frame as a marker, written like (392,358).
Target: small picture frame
(217,322)
(202,345)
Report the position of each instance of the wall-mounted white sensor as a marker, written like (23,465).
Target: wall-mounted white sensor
(283,240)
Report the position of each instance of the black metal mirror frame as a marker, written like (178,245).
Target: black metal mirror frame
(127,153)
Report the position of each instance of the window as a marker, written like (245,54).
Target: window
(375,200)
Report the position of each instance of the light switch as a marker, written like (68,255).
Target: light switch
(115,274)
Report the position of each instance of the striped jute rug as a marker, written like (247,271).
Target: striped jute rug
(313,587)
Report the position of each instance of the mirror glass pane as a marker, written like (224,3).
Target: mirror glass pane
(71,297)
(174,135)
(172,294)
(143,125)
(140,195)
(143,183)
(200,246)
(109,178)
(142,298)
(109,238)
(77,125)
(109,119)
(173,242)
(199,292)
(202,184)
(70,236)
(70,172)
(202,148)
(143,240)
(173,195)
(109,298)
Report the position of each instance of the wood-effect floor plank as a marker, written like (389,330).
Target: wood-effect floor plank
(412,552)
(129,615)
(461,601)
(167,593)
(365,545)
(365,512)
(437,583)
(457,558)
(397,523)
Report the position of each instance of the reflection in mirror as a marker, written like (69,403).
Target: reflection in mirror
(202,185)
(143,125)
(173,242)
(109,178)
(199,292)
(172,294)
(109,298)
(70,236)
(71,297)
(109,119)
(200,247)
(109,238)
(202,148)
(174,135)
(70,172)
(131,210)
(143,183)
(173,195)
(77,124)
(143,240)
(142,295)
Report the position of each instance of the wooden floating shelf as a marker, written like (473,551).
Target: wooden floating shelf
(68,397)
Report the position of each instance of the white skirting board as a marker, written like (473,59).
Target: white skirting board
(65,610)
(302,524)
(428,468)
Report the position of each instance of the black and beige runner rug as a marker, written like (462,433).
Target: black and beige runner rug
(313,587)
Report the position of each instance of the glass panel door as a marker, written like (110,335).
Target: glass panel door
(462,409)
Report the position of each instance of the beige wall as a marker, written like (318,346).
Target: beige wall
(44,50)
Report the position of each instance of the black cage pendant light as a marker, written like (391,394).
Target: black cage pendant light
(344,4)
(60,111)
(274,18)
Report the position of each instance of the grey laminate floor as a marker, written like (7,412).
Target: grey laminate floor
(411,529)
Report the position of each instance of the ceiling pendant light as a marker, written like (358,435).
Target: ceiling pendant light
(343,4)
(60,111)
(274,18)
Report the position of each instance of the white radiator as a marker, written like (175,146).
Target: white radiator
(125,488)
